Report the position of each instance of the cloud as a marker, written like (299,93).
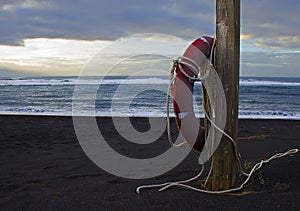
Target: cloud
(15,5)
(246,36)
(17,20)
(270,64)
(279,43)
(50,56)
(268,27)
(109,20)
(44,56)
(271,18)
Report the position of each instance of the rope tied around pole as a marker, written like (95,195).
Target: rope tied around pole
(195,68)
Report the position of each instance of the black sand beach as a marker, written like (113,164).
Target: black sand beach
(42,167)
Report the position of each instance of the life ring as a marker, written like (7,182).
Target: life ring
(189,126)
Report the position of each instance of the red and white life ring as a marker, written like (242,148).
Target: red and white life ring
(198,51)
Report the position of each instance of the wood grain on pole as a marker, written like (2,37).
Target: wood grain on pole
(227,66)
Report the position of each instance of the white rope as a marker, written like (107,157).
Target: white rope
(254,169)
(170,90)
(170,183)
(196,70)
(193,66)
(231,139)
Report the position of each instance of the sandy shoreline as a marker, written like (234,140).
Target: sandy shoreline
(43,167)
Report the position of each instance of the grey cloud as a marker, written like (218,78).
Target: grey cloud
(271,18)
(281,42)
(110,20)
(273,25)
(4,3)
(270,64)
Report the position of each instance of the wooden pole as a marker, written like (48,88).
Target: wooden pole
(227,66)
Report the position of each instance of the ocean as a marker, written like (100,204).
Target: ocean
(259,98)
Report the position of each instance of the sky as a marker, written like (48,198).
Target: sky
(59,37)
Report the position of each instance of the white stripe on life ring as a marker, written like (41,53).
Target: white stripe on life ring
(182,115)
